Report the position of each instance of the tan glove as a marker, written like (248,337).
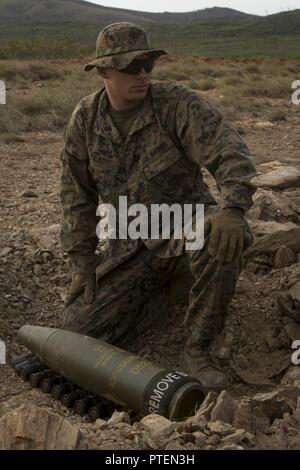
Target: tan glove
(82,282)
(227,234)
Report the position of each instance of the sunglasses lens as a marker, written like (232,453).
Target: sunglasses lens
(137,65)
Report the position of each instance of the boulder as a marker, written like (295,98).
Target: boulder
(261,228)
(291,376)
(243,417)
(207,405)
(284,256)
(269,244)
(157,426)
(274,206)
(119,417)
(32,428)
(224,408)
(200,439)
(271,404)
(281,178)
(218,427)
(288,303)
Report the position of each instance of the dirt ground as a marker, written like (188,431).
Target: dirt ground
(34,276)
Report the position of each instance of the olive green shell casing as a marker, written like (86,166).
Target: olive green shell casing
(113,373)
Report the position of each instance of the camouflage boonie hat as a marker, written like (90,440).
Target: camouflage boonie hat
(118,44)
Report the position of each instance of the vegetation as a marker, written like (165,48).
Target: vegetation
(42,94)
(276,36)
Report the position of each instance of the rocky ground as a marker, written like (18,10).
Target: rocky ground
(262,407)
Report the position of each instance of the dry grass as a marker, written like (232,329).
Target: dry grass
(47,106)
(13,70)
(277,115)
(47,92)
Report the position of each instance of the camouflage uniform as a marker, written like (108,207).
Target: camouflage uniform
(175,134)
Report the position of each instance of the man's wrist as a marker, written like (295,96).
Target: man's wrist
(234,209)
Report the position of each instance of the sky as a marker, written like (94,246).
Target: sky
(258,7)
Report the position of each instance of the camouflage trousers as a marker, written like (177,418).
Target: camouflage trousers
(133,296)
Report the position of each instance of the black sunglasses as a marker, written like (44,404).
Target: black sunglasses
(138,64)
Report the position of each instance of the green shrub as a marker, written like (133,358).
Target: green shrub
(27,71)
(271,88)
(277,115)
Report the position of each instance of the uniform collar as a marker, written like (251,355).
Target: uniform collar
(104,124)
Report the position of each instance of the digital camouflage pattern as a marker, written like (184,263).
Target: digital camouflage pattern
(134,296)
(118,44)
(176,134)
(159,162)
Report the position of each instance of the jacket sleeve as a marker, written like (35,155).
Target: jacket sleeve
(79,200)
(208,140)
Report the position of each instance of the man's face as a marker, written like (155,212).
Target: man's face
(130,88)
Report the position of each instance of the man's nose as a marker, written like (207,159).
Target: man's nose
(142,73)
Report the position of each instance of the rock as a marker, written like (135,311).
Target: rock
(284,256)
(207,405)
(295,292)
(291,376)
(5,407)
(281,178)
(213,440)
(264,124)
(218,427)
(32,428)
(46,238)
(238,436)
(261,228)
(5,251)
(100,424)
(119,417)
(231,447)
(224,408)
(193,424)
(157,426)
(174,446)
(28,193)
(243,416)
(242,361)
(270,206)
(200,439)
(269,244)
(266,167)
(271,405)
(289,393)
(288,303)
(223,353)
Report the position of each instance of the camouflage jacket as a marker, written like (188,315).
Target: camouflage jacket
(176,133)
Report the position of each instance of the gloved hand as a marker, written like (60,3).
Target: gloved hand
(227,234)
(82,282)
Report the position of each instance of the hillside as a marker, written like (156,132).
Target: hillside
(68,28)
(79,11)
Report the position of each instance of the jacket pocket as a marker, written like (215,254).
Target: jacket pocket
(104,170)
(161,162)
